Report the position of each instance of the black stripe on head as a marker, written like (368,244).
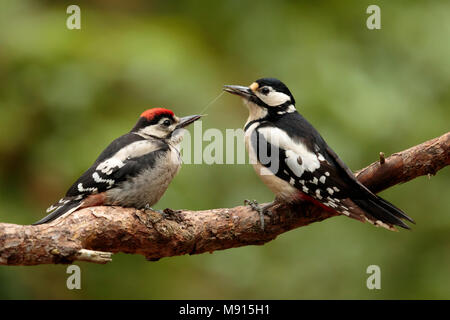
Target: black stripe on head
(152,116)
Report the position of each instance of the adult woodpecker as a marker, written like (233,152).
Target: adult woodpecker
(296,163)
(134,170)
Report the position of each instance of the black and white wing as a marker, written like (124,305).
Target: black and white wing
(124,157)
(300,156)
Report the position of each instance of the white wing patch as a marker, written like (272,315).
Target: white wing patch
(82,189)
(294,149)
(99,179)
(108,166)
(300,160)
(134,150)
(292,163)
(290,109)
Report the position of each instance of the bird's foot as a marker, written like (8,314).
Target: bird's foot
(174,215)
(262,210)
(168,213)
(161,212)
(171,211)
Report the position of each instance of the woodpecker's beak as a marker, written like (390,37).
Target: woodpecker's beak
(185,121)
(244,92)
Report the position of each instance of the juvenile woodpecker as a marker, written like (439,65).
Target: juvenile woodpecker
(296,163)
(134,170)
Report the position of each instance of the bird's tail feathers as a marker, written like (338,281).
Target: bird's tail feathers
(382,213)
(399,213)
(63,206)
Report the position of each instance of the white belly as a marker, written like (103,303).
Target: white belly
(281,188)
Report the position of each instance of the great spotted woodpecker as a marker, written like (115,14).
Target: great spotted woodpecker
(134,170)
(296,163)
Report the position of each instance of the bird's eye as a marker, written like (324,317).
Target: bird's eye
(166,123)
(265,90)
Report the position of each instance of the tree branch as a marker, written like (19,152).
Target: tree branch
(92,234)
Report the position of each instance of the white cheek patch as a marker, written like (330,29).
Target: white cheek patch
(273,98)
(153,131)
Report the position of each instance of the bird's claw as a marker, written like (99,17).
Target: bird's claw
(168,213)
(265,210)
(171,211)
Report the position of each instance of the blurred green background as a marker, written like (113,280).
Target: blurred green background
(65,94)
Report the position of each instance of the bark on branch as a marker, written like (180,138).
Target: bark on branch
(93,234)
